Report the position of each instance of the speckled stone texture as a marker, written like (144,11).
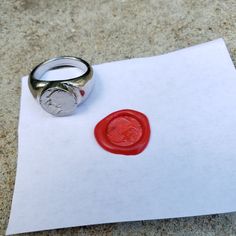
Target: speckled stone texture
(101,31)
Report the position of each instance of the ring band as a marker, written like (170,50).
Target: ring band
(61,97)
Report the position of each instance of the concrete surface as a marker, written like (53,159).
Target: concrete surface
(100,31)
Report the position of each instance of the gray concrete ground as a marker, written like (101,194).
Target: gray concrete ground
(100,31)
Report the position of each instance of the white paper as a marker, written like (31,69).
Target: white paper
(64,178)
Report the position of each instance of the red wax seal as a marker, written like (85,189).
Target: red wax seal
(123,132)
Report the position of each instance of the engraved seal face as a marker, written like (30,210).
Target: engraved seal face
(58,101)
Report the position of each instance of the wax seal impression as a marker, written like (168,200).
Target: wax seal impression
(124,132)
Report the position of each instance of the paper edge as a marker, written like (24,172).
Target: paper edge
(17,159)
(122,221)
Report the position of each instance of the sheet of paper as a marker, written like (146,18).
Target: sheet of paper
(64,178)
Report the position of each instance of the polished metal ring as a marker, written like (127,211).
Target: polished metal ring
(61,97)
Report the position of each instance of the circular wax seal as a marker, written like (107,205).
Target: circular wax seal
(123,132)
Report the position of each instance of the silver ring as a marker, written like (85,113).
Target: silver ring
(61,97)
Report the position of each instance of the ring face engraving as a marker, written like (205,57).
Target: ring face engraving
(58,101)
